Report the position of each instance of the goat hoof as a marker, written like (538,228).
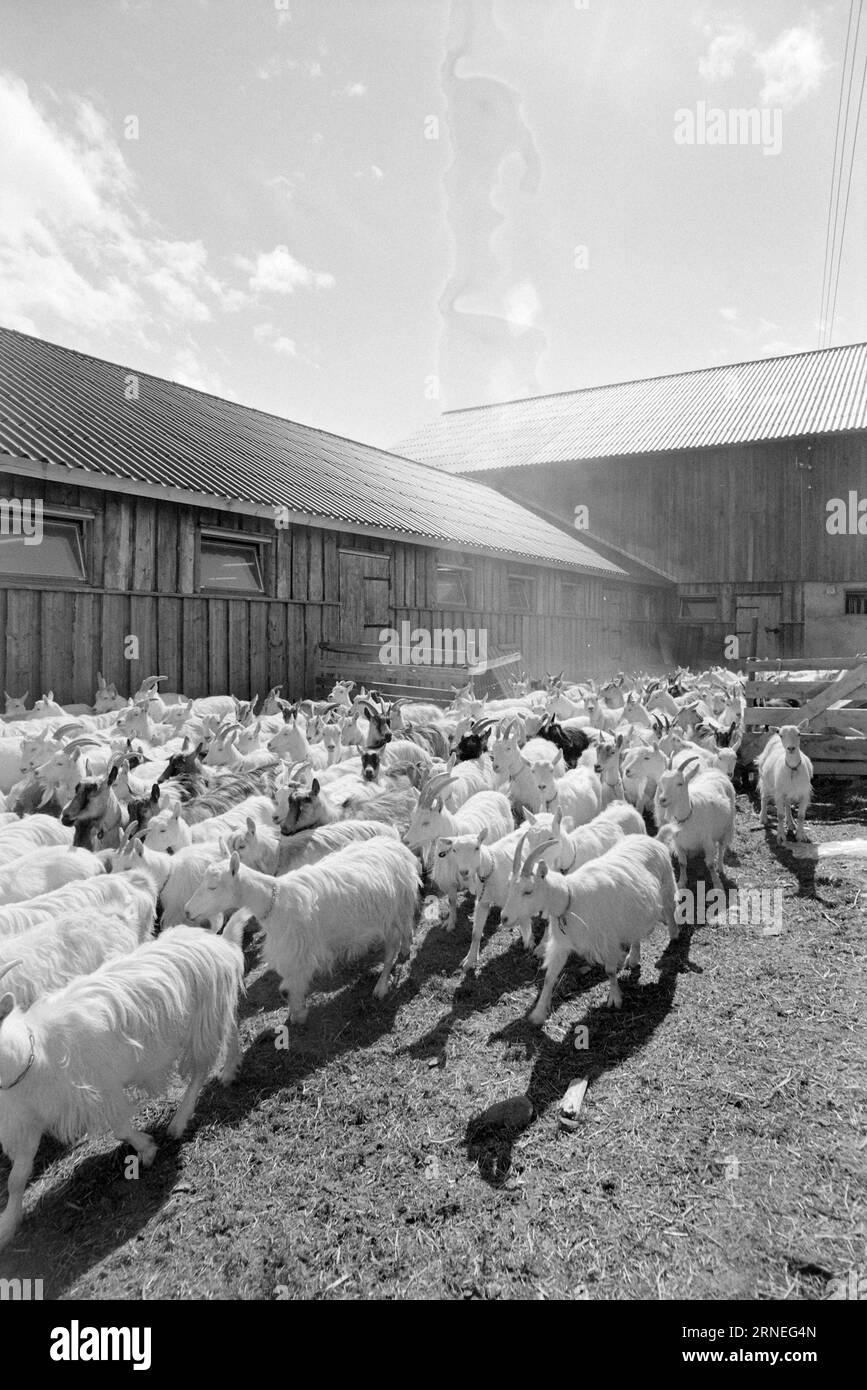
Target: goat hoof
(469,966)
(537,1017)
(150,1152)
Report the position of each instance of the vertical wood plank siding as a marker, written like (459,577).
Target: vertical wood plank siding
(143,570)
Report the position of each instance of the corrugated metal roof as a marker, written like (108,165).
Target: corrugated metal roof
(776,398)
(62,407)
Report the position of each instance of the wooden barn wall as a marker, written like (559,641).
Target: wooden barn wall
(739,514)
(143,582)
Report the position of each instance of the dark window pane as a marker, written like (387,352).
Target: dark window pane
(856,603)
(705,609)
(452,587)
(521,593)
(231,565)
(59,554)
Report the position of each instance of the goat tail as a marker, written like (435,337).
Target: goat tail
(832,849)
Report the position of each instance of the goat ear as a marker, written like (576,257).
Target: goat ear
(176,811)
(155,792)
(234,863)
(542,870)
(314,786)
(7,1004)
(482,835)
(251,826)
(138,848)
(692,772)
(529,818)
(112,776)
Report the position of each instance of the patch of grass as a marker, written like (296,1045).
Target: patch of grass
(720,1152)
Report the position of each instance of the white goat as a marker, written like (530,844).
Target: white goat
(359,897)
(266,849)
(786,778)
(485,870)
(64,1063)
(32,833)
(44,869)
(176,876)
(577,793)
(605,908)
(695,812)
(49,955)
(104,893)
(167,831)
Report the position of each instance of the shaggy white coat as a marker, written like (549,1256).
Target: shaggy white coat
(611,904)
(42,870)
(357,898)
(171,1003)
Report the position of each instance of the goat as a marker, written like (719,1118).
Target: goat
(102,893)
(97,814)
(605,908)
(695,811)
(485,870)
(44,869)
(34,832)
(785,777)
(577,793)
(176,876)
(356,898)
(64,1063)
(49,954)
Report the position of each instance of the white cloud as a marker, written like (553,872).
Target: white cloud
(74,244)
(277,341)
(285,346)
(373,172)
(278,272)
(719,61)
(354,89)
(729,314)
(792,67)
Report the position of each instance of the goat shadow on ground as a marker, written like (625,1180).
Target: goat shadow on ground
(88,1214)
(347,1019)
(616,1034)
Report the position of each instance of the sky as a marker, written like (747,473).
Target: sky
(359,213)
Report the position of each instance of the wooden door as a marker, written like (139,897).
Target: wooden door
(364,609)
(760,614)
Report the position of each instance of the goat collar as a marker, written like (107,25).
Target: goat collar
(567,909)
(30,1060)
(267,914)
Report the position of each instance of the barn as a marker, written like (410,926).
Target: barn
(240,550)
(744,486)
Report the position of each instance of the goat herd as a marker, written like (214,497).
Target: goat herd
(320,820)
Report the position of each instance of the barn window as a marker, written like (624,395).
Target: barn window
(454,586)
(522,593)
(573,598)
(41,545)
(703,608)
(856,602)
(231,564)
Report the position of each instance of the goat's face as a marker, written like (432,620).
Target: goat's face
(16,704)
(428,823)
(303,810)
(86,804)
(216,892)
(527,896)
(183,764)
(506,757)
(371,765)
(166,832)
(466,854)
(672,792)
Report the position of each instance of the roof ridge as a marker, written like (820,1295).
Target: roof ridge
(661,376)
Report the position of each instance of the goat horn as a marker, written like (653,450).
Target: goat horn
(519,850)
(536,854)
(11,966)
